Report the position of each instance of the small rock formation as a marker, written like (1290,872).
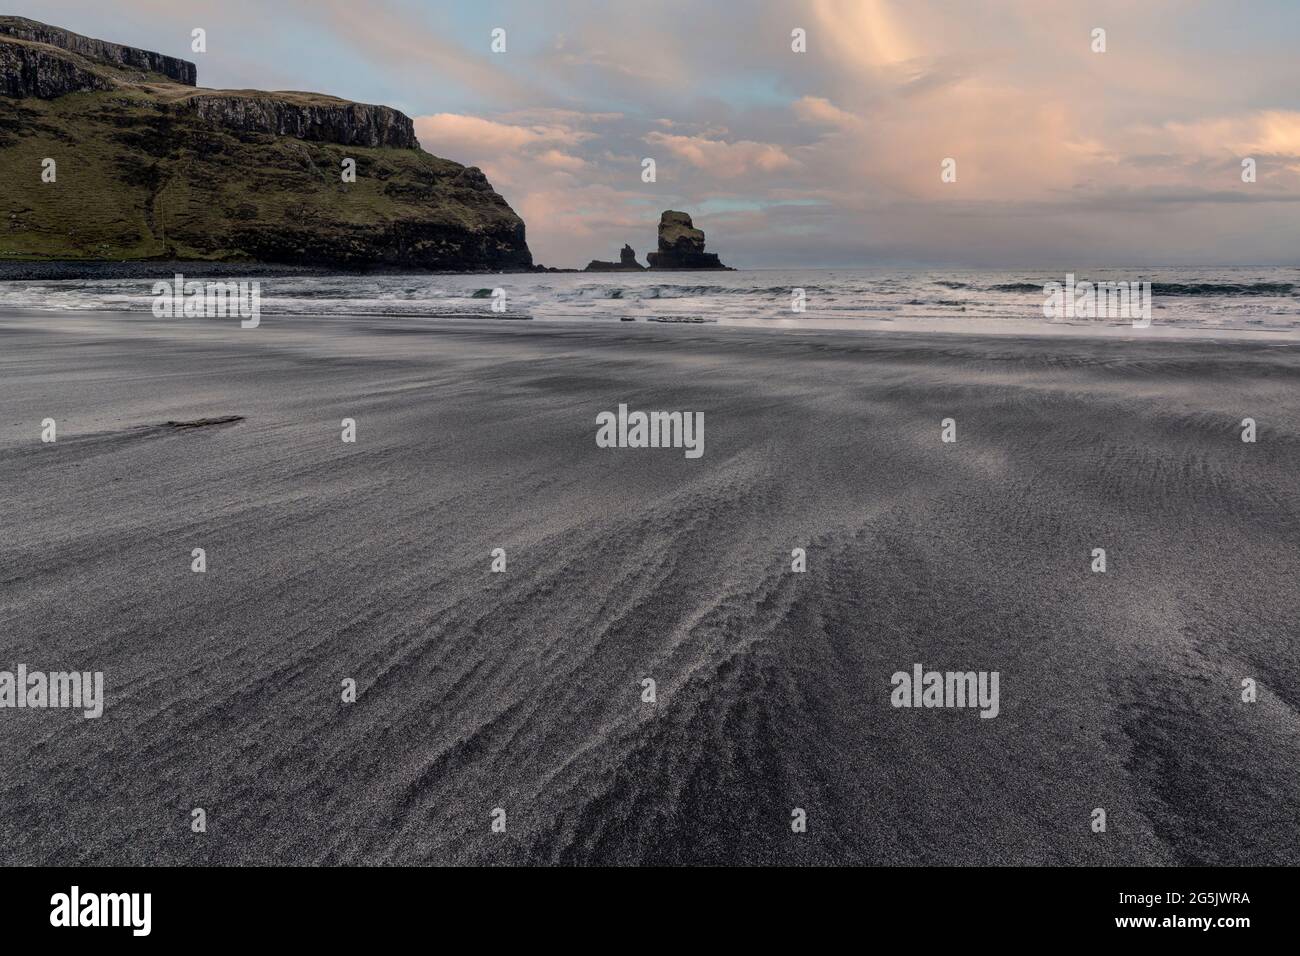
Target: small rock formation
(627,263)
(681,245)
(206,422)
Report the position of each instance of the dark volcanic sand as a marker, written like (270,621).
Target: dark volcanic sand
(522,690)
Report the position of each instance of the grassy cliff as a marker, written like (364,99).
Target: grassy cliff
(151,168)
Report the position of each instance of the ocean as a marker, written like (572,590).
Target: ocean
(1237,301)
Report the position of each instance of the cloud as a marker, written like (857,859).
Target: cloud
(722,158)
(449,134)
(863,34)
(554,159)
(1268,132)
(389,35)
(553,166)
(818,109)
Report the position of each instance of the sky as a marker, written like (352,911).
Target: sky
(1065,157)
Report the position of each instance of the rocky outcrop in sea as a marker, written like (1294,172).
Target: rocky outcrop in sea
(627,263)
(681,245)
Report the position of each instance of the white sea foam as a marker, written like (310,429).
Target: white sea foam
(1242,300)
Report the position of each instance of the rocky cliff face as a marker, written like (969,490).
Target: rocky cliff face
(328,122)
(27,69)
(114,54)
(148,166)
(681,245)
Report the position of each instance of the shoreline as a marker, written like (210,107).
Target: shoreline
(52,270)
(1010,329)
(55,270)
(1203,306)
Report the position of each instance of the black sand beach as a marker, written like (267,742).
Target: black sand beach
(522,690)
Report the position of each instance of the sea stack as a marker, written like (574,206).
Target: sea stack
(627,263)
(681,245)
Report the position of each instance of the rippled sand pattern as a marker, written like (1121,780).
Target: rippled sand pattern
(522,690)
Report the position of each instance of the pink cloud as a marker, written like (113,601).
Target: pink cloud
(818,109)
(722,158)
(450,134)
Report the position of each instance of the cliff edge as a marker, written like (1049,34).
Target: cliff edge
(112,152)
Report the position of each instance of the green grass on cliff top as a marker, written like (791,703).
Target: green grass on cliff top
(140,177)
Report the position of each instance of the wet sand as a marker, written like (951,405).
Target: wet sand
(522,690)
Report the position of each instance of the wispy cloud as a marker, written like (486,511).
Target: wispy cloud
(720,158)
